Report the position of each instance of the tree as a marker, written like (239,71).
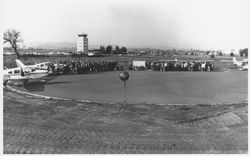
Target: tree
(212,56)
(117,50)
(241,53)
(102,49)
(13,37)
(244,52)
(232,54)
(108,49)
(123,50)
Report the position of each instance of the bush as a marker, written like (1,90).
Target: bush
(244,52)
(212,56)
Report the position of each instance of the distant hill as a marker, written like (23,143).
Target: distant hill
(69,45)
(56,45)
(51,45)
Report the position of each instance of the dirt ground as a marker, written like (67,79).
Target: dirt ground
(39,125)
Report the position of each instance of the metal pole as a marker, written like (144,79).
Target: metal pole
(124,100)
(125,96)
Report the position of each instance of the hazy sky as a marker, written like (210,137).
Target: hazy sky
(204,24)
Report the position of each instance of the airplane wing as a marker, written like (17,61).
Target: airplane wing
(245,67)
(16,81)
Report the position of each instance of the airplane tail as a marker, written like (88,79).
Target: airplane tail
(20,64)
(234,60)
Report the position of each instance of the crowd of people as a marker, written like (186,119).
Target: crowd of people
(179,66)
(83,66)
(100,65)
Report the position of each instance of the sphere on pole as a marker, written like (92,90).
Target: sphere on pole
(124,75)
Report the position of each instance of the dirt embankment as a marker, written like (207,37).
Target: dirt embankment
(36,125)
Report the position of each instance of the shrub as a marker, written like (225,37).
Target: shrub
(212,56)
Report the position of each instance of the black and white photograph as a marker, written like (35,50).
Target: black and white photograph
(124,76)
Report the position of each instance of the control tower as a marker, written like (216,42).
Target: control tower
(82,44)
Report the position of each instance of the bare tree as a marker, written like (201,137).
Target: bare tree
(13,37)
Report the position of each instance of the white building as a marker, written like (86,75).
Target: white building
(82,44)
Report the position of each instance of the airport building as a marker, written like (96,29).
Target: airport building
(82,44)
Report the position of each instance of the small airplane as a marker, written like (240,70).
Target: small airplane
(243,65)
(23,73)
(41,66)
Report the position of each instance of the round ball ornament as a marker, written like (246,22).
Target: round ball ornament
(124,75)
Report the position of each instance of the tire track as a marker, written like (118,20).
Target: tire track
(79,130)
(90,139)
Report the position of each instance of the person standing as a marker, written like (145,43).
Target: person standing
(203,66)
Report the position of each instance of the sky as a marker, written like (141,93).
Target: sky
(180,24)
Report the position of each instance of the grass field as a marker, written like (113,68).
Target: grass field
(148,87)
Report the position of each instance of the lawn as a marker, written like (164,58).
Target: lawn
(148,87)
